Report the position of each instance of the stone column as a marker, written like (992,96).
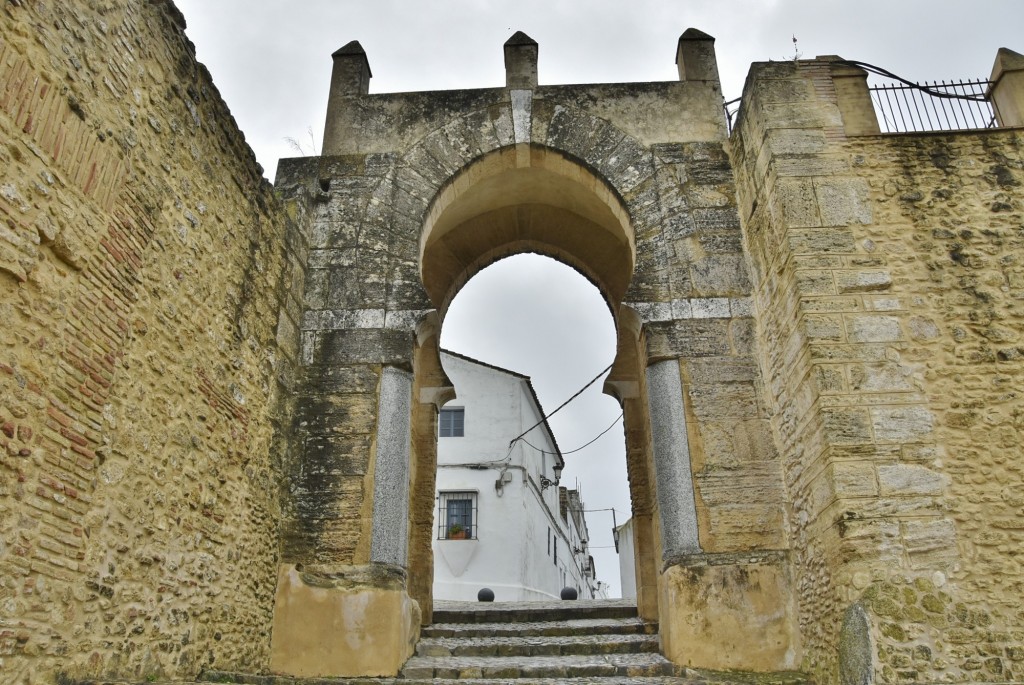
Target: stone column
(358,620)
(389,541)
(673,477)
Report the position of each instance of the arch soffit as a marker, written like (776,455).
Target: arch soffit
(487,196)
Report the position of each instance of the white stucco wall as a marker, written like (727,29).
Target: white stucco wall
(514,552)
(627,561)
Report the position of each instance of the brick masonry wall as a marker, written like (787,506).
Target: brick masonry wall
(143,266)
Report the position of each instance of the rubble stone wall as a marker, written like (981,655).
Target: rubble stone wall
(886,288)
(949,230)
(144,263)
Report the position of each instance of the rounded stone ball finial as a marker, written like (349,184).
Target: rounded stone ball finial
(569,593)
(485,595)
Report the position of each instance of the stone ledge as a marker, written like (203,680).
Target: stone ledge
(771,556)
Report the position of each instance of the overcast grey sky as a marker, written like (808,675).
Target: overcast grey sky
(271,62)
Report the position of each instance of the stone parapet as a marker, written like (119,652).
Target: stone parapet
(850,320)
(1007,90)
(342,621)
(730,611)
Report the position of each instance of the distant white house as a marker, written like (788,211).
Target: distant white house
(627,564)
(502,521)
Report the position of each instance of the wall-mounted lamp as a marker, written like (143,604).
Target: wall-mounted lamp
(546,482)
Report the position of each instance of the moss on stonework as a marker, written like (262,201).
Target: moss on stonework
(885,606)
(924,585)
(933,604)
(894,631)
(915,613)
(910,612)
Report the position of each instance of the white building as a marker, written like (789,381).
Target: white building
(627,564)
(501,520)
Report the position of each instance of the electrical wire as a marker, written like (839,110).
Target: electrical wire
(545,418)
(924,89)
(578,448)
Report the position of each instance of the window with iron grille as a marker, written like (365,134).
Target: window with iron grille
(452,422)
(456,515)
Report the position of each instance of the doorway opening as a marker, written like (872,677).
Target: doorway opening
(526,330)
(531,199)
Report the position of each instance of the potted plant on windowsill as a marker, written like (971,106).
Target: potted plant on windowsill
(456,532)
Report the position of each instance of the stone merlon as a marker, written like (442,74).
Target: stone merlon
(521,61)
(1007,90)
(695,56)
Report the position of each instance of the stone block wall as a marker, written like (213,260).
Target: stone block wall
(947,230)
(883,270)
(143,266)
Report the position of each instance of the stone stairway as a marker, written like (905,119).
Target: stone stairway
(537,641)
(533,643)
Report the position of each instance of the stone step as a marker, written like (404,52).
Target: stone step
(588,626)
(529,612)
(515,667)
(686,677)
(541,645)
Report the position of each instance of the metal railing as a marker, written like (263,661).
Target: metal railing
(937,106)
(732,110)
(903,106)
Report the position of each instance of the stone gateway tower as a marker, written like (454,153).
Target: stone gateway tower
(219,399)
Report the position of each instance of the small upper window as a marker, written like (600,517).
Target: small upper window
(452,423)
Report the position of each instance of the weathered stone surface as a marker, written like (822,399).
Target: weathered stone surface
(856,655)
(842,201)
(873,328)
(908,265)
(721,275)
(149,280)
(191,387)
(308,614)
(389,540)
(740,594)
(363,346)
(673,479)
(909,479)
(901,424)
(689,338)
(883,377)
(847,426)
(863,281)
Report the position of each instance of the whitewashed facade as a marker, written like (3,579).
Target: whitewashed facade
(627,563)
(525,536)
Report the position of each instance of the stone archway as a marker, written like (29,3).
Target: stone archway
(546,204)
(630,185)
